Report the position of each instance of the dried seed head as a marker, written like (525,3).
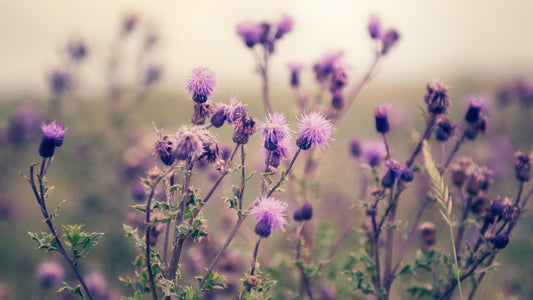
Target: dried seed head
(460,170)
(445,129)
(437,98)
(163,149)
(252,281)
(201,111)
(500,241)
(522,166)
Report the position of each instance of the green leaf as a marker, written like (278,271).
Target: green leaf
(45,241)
(75,290)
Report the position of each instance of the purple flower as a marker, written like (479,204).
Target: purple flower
(53,135)
(188,143)
(269,213)
(283,151)
(373,152)
(250,32)
(163,149)
(474,109)
(59,82)
(97,284)
(219,116)
(437,98)
(355,147)
(23,125)
(315,129)
(274,130)
(284,26)
(324,67)
(389,39)
(235,110)
(374,27)
(445,129)
(77,50)
(152,75)
(393,172)
(50,274)
(295,69)
(201,84)
(382,120)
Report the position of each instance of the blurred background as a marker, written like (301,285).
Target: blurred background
(108,69)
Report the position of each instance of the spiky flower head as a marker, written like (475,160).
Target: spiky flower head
(437,98)
(201,84)
(474,109)
(522,166)
(283,151)
(270,213)
(373,152)
(219,116)
(50,274)
(295,69)
(374,27)
(284,26)
(210,146)
(188,142)
(201,111)
(314,129)
(250,32)
(274,130)
(53,135)
(382,119)
(389,39)
(235,110)
(323,68)
(393,173)
(445,129)
(163,149)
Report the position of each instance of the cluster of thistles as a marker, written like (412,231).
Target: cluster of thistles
(265,33)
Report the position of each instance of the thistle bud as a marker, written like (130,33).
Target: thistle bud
(407,174)
(355,147)
(473,129)
(252,281)
(437,98)
(497,208)
(474,109)
(337,101)
(460,171)
(303,143)
(445,129)
(240,138)
(53,135)
(382,121)
(389,39)
(263,228)
(297,215)
(219,117)
(374,27)
(500,241)
(307,211)
(522,166)
(393,171)
(163,149)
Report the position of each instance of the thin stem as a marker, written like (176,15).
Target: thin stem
(272,190)
(243,177)
(425,136)
(147,242)
(456,263)
(520,189)
(252,271)
(305,282)
(462,225)
(376,249)
(389,244)
(264,74)
(454,151)
(167,226)
(386,145)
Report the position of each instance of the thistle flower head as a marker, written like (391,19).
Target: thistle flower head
(389,39)
(188,142)
(163,149)
(77,50)
(235,110)
(323,68)
(283,151)
(445,129)
(339,75)
(314,129)
(374,27)
(53,135)
(295,70)
(59,82)
(250,32)
(50,274)
(437,98)
(210,146)
(373,152)
(382,119)
(271,210)
(219,116)
(201,111)
(274,130)
(393,173)
(474,109)
(201,84)
(522,166)
(284,26)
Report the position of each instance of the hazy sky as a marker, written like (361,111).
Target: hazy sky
(439,39)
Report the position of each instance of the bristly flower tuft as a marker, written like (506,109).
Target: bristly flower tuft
(437,98)
(274,130)
(250,32)
(53,135)
(163,149)
(382,119)
(272,210)
(188,143)
(314,129)
(201,84)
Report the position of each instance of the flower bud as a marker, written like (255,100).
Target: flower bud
(240,138)
(445,129)
(474,110)
(382,121)
(307,211)
(303,143)
(522,166)
(500,241)
(219,117)
(497,208)
(337,101)
(407,174)
(355,147)
(263,228)
(297,216)
(252,281)
(437,98)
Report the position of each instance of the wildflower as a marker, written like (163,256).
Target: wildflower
(295,69)
(306,211)
(53,135)
(188,143)
(152,75)
(50,274)
(270,214)
(283,151)
(201,111)
(129,23)
(324,67)
(339,76)
(389,39)
(355,147)
(315,129)
(274,130)
(59,82)
(284,26)
(497,207)
(201,84)
(406,174)
(244,126)
(337,101)
(428,230)
(297,215)
(382,120)
(164,148)
(445,129)
(374,27)
(500,241)
(250,33)
(219,116)
(373,152)
(474,109)
(437,98)
(473,129)
(97,284)
(77,50)
(210,146)
(393,172)
(235,110)
(522,166)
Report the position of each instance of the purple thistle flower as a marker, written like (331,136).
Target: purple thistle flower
(53,135)
(445,129)
(271,212)
(274,130)
(355,147)
(389,39)
(188,143)
(152,75)
(373,152)
(284,26)
(474,109)
(59,82)
(283,151)
(250,32)
(219,116)
(163,149)
(374,27)
(201,84)
(393,172)
(315,129)
(295,69)
(235,110)
(382,120)
(324,67)
(437,98)
(50,274)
